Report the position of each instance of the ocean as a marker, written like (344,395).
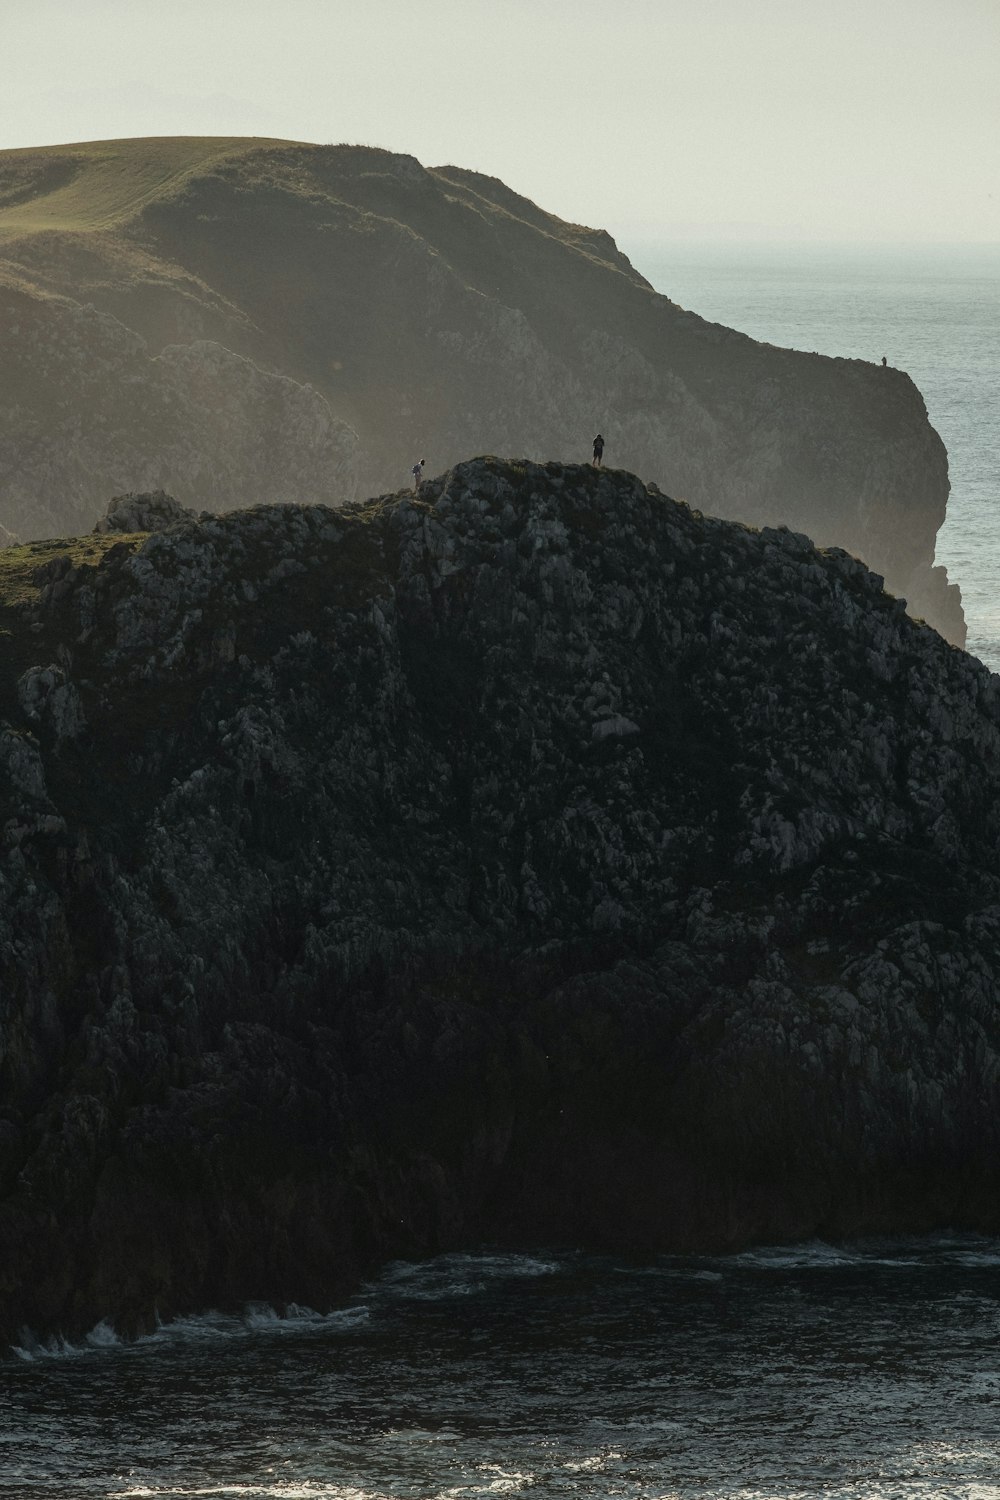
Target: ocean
(817,1372)
(867,1372)
(933,311)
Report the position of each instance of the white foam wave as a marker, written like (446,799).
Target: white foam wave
(261,1315)
(456,1275)
(814,1255)
(592,1465)
(257,1317)
(101,1336)
(506,1481)
(896,1254)
(278,1490)
(199,1328)
(31,1348)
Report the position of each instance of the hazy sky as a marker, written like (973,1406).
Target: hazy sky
(853,120)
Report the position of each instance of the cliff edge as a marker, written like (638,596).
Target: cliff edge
(529,858)
(278,321)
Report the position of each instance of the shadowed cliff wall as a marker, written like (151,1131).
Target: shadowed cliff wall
(529,858)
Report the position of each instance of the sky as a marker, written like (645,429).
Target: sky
(857,121)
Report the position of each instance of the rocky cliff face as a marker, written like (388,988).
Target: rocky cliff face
(533,857)
(87,408)
(431,313)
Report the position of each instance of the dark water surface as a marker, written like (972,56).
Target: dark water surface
(867,1372)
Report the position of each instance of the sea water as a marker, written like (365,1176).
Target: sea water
(932,311)
(864,1372)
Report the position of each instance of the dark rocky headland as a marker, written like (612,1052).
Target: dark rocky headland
(534,859)
(241,321)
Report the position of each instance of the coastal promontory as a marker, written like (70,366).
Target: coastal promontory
(529,859)
(238,321)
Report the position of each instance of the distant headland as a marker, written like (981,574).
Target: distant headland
(241,320)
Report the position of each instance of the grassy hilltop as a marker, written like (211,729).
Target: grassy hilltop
(396,312)
(100,184)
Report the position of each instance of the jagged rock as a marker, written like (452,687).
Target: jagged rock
(46,696)
(147,512)
(535,858)
(22,764)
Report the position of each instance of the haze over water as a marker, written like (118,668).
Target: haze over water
(932,311)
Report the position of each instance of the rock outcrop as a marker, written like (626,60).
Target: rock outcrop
(149,512)
(88,409)
(426,311)
(530,857)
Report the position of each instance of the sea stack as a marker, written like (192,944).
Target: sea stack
(530,857)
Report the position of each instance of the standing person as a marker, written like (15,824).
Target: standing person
(598,449)
(418,473)
(883,361)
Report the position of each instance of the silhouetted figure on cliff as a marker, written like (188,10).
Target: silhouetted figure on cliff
(883,361)
(598,449)
(418,473)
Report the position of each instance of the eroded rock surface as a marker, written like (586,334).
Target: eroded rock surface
(529,858)
(143,512)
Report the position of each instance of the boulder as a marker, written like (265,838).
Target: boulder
(154,511)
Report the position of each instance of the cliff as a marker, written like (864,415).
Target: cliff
(389,312)
(532,858)
(86,405)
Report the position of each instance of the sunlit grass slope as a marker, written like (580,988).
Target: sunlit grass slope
(97,185)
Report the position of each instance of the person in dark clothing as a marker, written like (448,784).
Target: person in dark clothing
(598,449)
(883,361)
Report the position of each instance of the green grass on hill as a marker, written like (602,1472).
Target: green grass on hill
(97,185)
(19,565)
